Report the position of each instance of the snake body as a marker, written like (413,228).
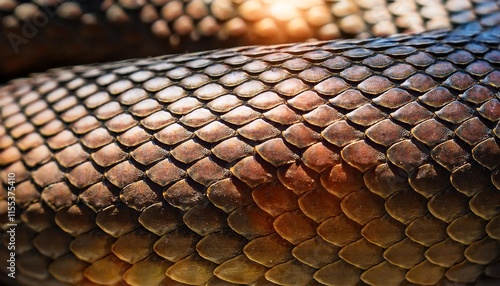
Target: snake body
(39,34)
(367,161)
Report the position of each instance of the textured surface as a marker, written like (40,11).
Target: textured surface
(37,34)
(336,163)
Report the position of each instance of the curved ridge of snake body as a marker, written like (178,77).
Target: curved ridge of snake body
(369,161)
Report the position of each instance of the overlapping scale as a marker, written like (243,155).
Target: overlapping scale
(335,163)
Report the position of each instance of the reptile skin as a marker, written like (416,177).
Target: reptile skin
(38,34)
(354,162)
(338,163)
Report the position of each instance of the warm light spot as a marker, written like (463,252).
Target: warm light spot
(283,11)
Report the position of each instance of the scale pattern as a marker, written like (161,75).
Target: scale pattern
(38,34)
(330,163)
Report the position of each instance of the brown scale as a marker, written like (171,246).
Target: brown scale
(332,163)
(240,270)
(481,174)
(338,273)
(148,153)
(419,82)
(67,269)
(283,115)
(385,180)
(393,98)
(140,195)
(314,74)
(149,271)
(232,243)
(299,178)
(425,273)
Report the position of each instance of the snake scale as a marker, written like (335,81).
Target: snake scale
(370,161)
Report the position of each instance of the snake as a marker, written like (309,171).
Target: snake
(365,161)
